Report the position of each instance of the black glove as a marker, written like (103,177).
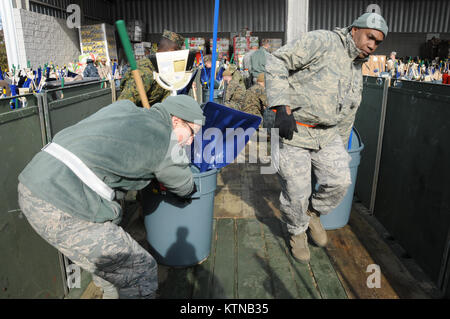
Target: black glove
(285,123)
(188,198)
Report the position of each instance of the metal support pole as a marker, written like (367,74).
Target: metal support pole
(379,145)
(214,53)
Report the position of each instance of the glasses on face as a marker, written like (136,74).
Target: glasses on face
(192,131)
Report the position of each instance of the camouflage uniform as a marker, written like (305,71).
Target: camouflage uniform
(319,76)
(237,76)
(103,249)
(155,92)
(294,165)
(255,100)
(234,95)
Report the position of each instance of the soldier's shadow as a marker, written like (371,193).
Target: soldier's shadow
(196,281)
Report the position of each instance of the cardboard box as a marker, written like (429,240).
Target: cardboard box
(139,49)
(374,66)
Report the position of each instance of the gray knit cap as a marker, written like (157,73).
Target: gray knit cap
(371,20)
(184,107)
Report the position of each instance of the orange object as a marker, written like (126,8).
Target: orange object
(298,123)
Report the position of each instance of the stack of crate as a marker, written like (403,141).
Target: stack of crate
(196,44)
(241,46)
(223,48)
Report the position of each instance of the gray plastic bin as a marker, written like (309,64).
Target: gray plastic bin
(340,215)
(180,234)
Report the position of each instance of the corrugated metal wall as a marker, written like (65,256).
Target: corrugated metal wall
(400,15)
(197,16)
(55,9)
(92,11)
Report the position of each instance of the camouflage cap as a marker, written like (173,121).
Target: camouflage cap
(175,37)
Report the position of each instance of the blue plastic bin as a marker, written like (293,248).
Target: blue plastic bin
(339,217)
(180,234)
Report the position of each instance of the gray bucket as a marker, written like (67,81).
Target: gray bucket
(339,217)
(180,234)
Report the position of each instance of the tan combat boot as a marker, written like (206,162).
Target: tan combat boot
(316,230)
(300,248)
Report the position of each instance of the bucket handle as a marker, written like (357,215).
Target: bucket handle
(198,193)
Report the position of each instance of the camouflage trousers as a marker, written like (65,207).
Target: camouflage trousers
(104,249)
(330,166)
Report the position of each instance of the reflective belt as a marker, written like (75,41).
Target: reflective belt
(298,123)
(81,170)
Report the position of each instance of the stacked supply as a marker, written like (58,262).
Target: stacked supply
(98,40)
(139,50)
(374,66)
(241,46)
(223,48)
(196,44)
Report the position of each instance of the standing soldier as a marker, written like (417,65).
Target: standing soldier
(255,98)
(170,41)
(258,60)
(236,75)
(234,92)
(315,86)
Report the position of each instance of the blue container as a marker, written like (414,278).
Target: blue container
(180,234)
(339,217)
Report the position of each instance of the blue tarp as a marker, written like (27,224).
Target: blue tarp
(210,150)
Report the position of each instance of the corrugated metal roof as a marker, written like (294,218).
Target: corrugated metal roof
(197,16)
(400,15)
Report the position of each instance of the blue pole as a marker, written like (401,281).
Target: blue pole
(214,53)
(349,147)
